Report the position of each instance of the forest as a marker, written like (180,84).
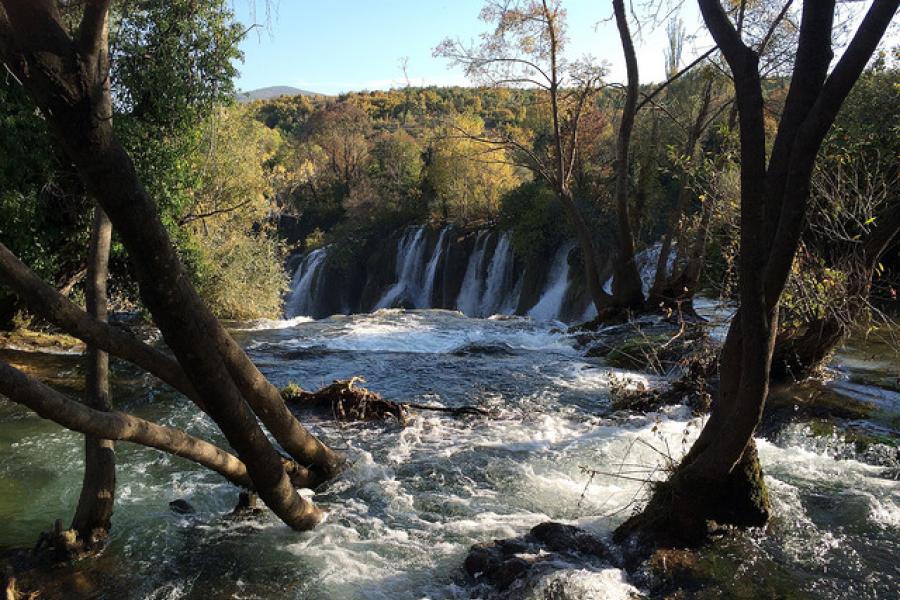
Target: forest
(566,331)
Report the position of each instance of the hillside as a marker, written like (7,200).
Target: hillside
(274,91)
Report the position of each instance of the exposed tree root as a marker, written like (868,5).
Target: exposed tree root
(348,402)
(62,545)
(11,589)
(685,510)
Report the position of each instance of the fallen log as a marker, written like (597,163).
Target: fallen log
(346,401)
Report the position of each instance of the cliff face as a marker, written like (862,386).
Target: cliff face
(475,271)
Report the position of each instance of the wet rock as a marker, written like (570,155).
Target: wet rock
(567,538)
(485,350)
(182,507)
(518,563)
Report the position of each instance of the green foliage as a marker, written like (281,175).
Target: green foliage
(44,217)
(172,64)
(241,276)
(314,240)
(236,261)
(531,213)
(467,175)
(396,171)
(867,129)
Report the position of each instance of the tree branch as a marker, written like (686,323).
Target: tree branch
(675,77)
(92,30)
(50,404)
(59,310)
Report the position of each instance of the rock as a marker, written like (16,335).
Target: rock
(510,570)
(182,507)
(546,548)
(568,538)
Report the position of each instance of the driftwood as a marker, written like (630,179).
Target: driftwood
(347,401)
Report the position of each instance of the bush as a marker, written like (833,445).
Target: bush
(241,275)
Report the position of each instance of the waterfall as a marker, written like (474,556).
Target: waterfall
(470,293)
(302,298)
(424,297)
(550,304)
(428,264)
(499,280)
(646,261)
(410,251)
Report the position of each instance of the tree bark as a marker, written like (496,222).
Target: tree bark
(95,504)
(627,286)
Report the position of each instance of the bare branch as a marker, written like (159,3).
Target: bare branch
(50,404)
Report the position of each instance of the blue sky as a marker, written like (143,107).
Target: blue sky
(347,45)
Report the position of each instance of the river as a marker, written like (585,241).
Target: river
(402,517)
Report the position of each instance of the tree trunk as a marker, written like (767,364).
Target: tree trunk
(668,290)
(627,286)
(113,425)
(95,505)
(589,258)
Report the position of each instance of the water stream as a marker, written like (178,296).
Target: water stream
(402,517)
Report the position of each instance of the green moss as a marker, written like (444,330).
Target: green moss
(37,340)
(863,440)
(292,391)
(636,353)
(821,428)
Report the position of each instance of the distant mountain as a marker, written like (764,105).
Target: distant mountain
(273,92)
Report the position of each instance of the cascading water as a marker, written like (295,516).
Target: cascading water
(499,287)
(549,306)
(410,251)
(300,301)
(470,292)
(646,261)
(491,282)
(424,297)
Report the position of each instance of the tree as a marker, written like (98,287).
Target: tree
(228,218)
(720,478)
(852,223)
(674,287)
(66,77)
(468,176)
(526,49)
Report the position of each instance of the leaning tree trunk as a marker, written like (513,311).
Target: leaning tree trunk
(95,505)
(678,290)
(589,257)
(68,78)
(665,291)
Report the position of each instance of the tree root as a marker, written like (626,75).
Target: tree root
(11,591)
(684,511)
(64,545)
(348,402)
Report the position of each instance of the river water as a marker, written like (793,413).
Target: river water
(402,517)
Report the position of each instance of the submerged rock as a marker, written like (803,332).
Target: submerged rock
(182,507)
(516,567)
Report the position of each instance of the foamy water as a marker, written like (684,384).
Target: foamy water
(413,500)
